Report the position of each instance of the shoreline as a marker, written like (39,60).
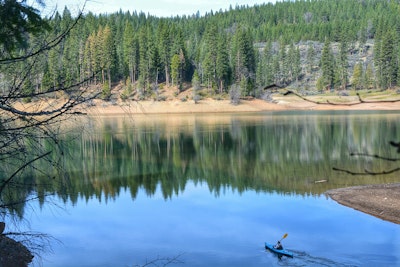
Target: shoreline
(381,200)
(100,107)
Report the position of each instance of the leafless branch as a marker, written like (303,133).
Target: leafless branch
(360,100)
(15,203)
(367,172)
(4,183)
(374,156)
(36,242)
(47,46)
(159,261)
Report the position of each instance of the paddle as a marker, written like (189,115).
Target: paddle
(284,236)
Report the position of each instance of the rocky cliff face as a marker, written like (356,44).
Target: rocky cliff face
(311,71)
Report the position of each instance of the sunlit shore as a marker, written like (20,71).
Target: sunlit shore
(220,106)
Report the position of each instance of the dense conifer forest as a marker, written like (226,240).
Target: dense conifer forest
(310,45)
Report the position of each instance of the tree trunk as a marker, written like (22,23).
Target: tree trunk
(109,78)
(166,76)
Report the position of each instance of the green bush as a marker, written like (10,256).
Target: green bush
(106,92)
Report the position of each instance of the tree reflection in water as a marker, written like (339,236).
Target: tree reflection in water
(283,152)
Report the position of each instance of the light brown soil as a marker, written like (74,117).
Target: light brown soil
(219,106)
(382,201)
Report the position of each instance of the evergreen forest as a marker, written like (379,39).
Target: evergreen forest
(310,45)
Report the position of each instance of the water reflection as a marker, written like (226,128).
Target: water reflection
(229,230)
(270,152)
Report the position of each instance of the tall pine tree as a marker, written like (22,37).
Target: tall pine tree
(327,65)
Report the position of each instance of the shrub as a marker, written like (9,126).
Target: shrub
(235,93)
(106,92)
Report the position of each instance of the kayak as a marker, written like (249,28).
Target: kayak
(280,252)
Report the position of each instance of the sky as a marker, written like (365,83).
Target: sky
(159,8)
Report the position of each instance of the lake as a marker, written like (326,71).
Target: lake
(209,190)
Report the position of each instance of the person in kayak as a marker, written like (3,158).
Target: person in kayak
(278,246)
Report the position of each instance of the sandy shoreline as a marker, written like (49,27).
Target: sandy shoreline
(220,106)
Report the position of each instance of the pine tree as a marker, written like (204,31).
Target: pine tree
(357,78)
(369,77)
(165,46)
(284,62)
(209,62)
(268,71)
(175,62)
(244,60)
(196,86)
(260,77)
(54,67)
(144,71)
(91,61)
(153,61)
(327,65)
(311,54)
(293,63)
(107,54)
(297,70)
(343,64)
(131,55)
(386,60)
(222,63)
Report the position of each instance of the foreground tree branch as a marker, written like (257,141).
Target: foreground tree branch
(6,182)
(29,110)
(39,26)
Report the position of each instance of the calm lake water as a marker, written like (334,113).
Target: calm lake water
(211,189)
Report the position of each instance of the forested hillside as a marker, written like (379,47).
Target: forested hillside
(310,45)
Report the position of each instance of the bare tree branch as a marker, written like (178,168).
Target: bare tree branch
(360,100)
(367,172)
(47,46)
(4,183)
(374,156)
(163,261)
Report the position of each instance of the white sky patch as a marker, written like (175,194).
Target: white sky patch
(160,8)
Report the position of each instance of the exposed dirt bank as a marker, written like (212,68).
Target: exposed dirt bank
(218,106)
(382,201)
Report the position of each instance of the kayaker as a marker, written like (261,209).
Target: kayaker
(278,246)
